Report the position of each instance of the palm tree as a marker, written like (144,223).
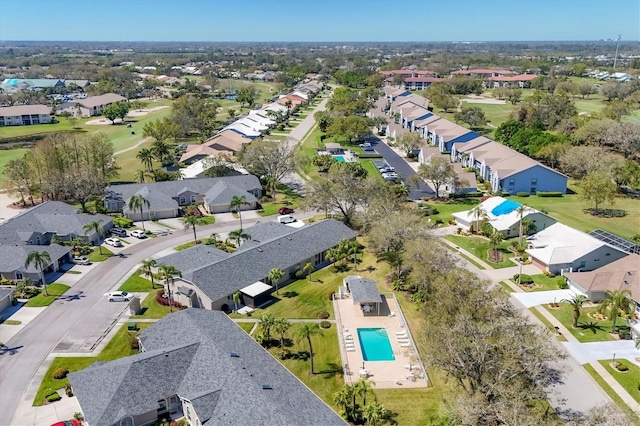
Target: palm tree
(616,301)
(281,326)
(40,260)
(139,176)
(146,266)
(477,213)
(137,202)
(307,270)
(576,303)
(96,227)
(522,210)
(363,386)
(374,413)
(169,273)
(237,299)
(191,221)
(528,226)
(266,323)
(160,150)
(495,239)
(146,158)
(288,104)
(236,204)
(275,275)
(343,398)
(305,332)
(353,248)
(334,255)
(238,235)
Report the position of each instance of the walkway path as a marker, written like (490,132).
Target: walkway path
(136,145)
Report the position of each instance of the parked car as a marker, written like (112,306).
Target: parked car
(119,296)
(286,219)
(81,260)
(138,233)
(113,242)
(387,170)
(285,210)
(120,232)
(72,422)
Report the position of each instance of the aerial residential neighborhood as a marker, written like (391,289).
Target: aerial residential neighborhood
(280,224)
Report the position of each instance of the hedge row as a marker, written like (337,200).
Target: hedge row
(466,195)
(370,155)
(549,194)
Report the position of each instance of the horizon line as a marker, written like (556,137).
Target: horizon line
(315,41)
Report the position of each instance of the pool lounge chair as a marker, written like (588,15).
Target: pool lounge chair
(351,349)
(403,339)
(401,333)
(405,345)
(348,337)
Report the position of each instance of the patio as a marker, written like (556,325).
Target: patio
(406,370)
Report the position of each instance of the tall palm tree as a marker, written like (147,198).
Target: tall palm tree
(494,241)
(146,158)
(343,399)
(236,204)
(334,255)
(147,270)
(191,221)
(288,104)
(363,386)
(238,235)
(95,226)
(616,301)
(275,275)
(169,274)
(353,248)
(237,299)
(374,413)
(305,332)
(266,323)
(138,202)
(281,326)
(307,270)
(40,260)
(160,150)
(477,213)
(522,210)
(139,176)
(576,303)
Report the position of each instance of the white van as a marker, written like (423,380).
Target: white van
(287,218)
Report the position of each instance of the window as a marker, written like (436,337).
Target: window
(127,421)
(512,182)
(534,182)
(193,198)
(182,200)
(19,275)
(162,406)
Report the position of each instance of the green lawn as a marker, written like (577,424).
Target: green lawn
(506,287)
(613,395)
(284,198)
(7,155)
(630,380)
(41,300)
(446,208)
(95,255)
(246,326)
(465,257)
(478,246)
(542,283)
(64,125)
(136,283)
(185,246)
(535,311)
(118,347)
(589,329)
(151,309)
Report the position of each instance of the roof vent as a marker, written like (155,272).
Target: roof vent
(266,386)
(234,354)
(259,249)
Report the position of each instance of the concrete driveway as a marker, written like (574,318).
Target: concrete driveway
(595,351)
(542,297)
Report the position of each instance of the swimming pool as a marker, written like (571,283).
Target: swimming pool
(340,158)
(375,344)
(505,207)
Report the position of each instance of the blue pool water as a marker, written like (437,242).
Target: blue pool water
(505,207)
(340,158)
(375,344)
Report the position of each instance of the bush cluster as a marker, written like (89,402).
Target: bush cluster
(522,194)
(54,397)
(524,279)
(466,194)
(325,324)
(562,283)
(122,222)
(549,194)
(60,373)
(164,301)
(323,315)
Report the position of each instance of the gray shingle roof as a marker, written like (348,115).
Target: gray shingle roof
(222,192)
(4,292)
(194,257)
(263,231)
(363,290)
(188,354)
(12,258)
(242,268)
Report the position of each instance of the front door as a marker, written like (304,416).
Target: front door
(174,404)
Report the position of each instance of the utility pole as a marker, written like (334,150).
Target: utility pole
(615,59)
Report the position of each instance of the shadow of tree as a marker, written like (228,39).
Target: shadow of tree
(333,370)
(290,294)
(594,327)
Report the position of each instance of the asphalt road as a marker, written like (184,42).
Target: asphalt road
(402,168)
(31,346)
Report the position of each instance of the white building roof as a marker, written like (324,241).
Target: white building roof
(500,221)
(197,168)
(256,288)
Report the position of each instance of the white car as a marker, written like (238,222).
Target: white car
(113,242)
(81,260)
(119,296)
(138,233)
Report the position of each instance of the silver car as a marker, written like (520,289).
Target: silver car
(119,296)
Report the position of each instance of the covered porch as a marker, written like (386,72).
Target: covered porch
(364,292)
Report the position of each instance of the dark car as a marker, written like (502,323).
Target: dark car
(285,210)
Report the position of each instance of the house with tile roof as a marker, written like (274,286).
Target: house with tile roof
(562,249)
(211,277)
(200,366)
(622,274)
(167,199)
(35,228)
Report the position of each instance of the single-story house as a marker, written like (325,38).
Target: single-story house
(364,292)
(210,277)
(200,366)
(91,106)
(166,199)
(503,215)
(199,168)
(24,115)
(6,298)
(560,249)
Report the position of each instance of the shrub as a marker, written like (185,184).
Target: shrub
(283,353)
(562,282)
(299,274)
(522,194)
(486,229)
(152,217)
(622,367)
(524,279)
(370,155)
(466,194)
(78,416)
(68,390)
(323,315)
(54,397)
(122,222)
(164,301)
(549,194)
(325,324)
(60,373)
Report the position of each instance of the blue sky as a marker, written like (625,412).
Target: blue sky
(318,20)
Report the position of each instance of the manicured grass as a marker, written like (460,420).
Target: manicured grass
(479,246)
(151,309)
(570,211)
(446,208)
(629,380)
(64,125)
(7,155)
(285,198)
(185,246)
(95,255)
(543,283)
(535,311)
(589,329)
(118,347)
(10,322)
(613,395)
(246,326)
(41,300)
(208,220)
(327,363)
(136,283)
(129,164)
(506,286)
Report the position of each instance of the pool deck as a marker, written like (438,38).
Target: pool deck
(383,374)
